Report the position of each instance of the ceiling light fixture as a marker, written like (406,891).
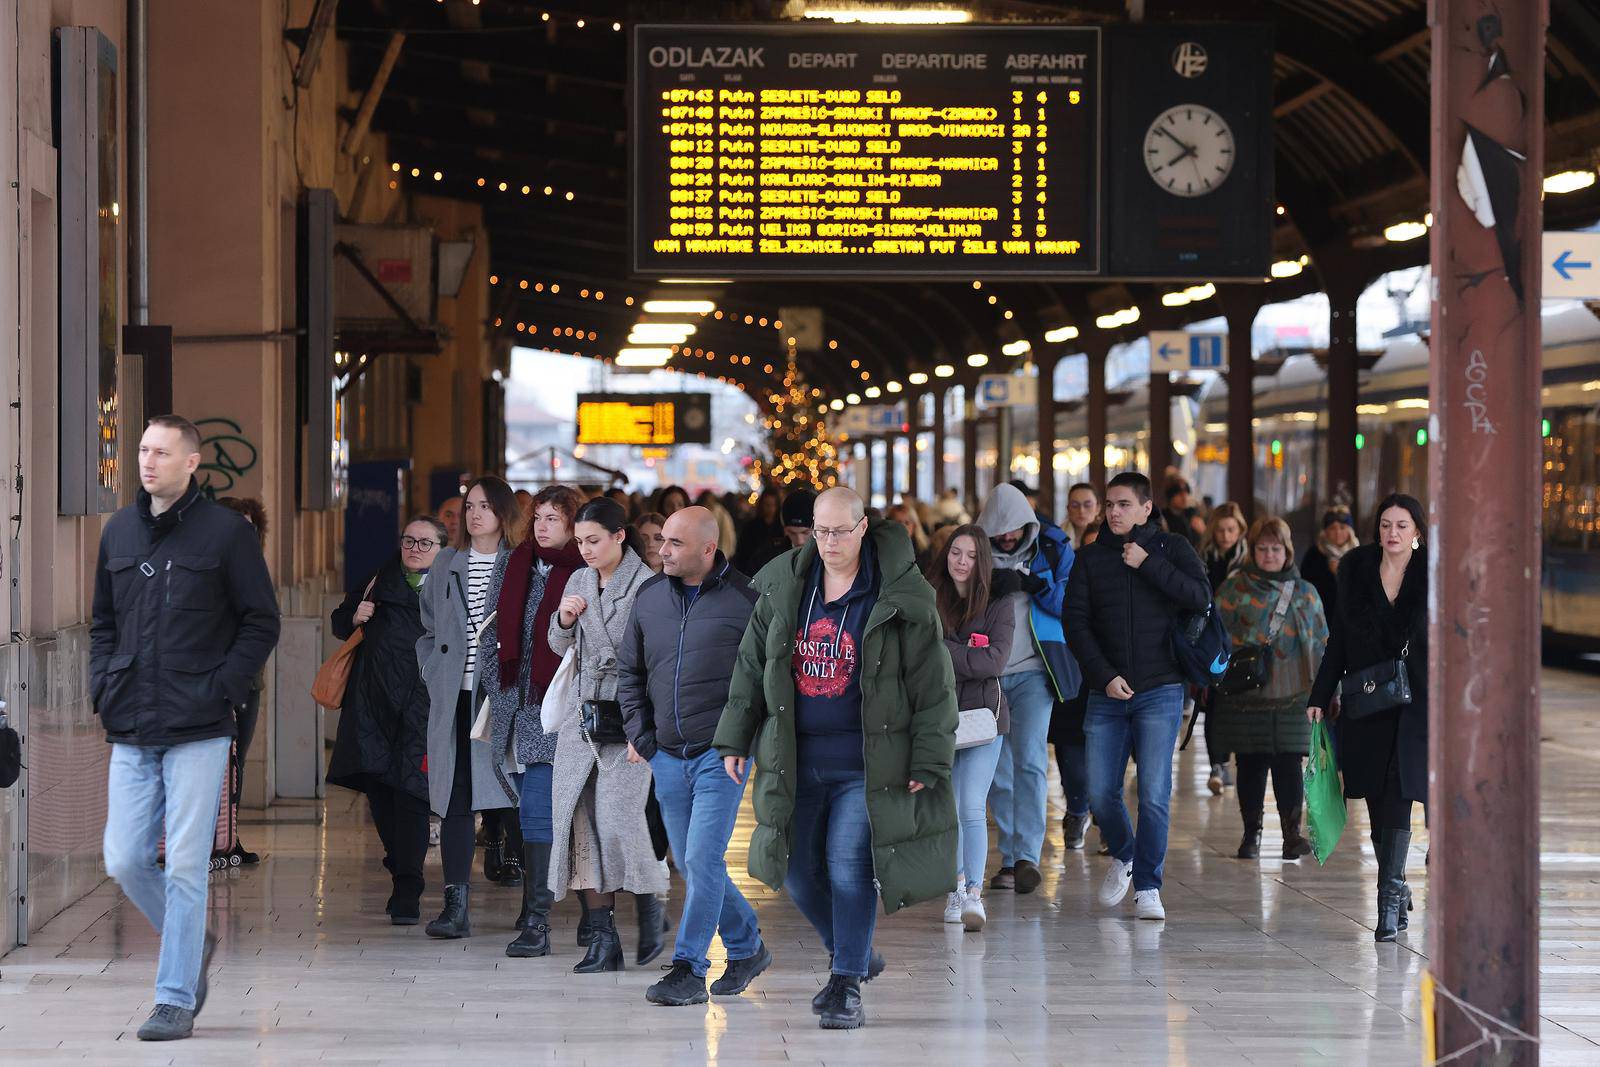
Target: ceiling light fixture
(1060,334)
(679,307)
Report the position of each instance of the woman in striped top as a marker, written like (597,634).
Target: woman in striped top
(464,778)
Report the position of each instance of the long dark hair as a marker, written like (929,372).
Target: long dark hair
(955,611)
(503,502)
(611,517)
(1408,503)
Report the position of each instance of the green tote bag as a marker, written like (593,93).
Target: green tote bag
(1325,812)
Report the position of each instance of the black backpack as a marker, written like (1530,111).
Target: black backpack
(1200,643)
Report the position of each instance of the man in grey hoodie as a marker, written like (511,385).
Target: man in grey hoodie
(1032,558)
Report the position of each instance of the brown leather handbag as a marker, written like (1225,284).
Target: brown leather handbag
(327,689)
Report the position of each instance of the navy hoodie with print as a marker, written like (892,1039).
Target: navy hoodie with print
(827,667)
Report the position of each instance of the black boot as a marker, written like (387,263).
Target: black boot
(585,923)
(841,1006)
(494,858)
(534,940)
(605,950)
(1392,849)
(452,921)
(510,869)
(1295,845)
(652,927)
(1250,843)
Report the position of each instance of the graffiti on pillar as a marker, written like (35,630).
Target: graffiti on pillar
(1477,392)
(226,455)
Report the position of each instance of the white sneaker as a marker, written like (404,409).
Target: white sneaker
(1147,905)
(952,908)
(972,914)
(1115,887)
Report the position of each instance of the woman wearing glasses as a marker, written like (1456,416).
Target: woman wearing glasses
(383,725)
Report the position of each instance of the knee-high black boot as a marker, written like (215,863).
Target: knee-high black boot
(652,927)
(605,950)
(1392,850)
(534,939)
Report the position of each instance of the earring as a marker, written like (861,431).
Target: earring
(1416,543)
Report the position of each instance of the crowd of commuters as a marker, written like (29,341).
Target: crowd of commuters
(597,676)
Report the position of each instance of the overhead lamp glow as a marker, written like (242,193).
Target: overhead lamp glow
(873,392)
(1201,292)
(893,387)
(1123,317)
(837,405)
(1569,181)
(917,377)
(978,359)
(1409,230)
(643,357)
(1061,333)
(679,307)
(1372,409)
(1017,348)
(1216,427)
(944,370)
(1412,403)
(887,16)
(671,332)
(1174,300)
(853,398)
(1287,268)
(695,281)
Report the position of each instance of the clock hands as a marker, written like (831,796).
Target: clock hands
(1189,150)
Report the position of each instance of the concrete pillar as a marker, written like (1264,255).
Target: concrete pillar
(1002,445)
(1097,415)
(1240,304)
(1484,486)
(1343,384)
(1160,423)
(1047,361)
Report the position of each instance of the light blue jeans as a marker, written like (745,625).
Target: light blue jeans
(973,773)
(1145,727)
(176,788)
(1021,787)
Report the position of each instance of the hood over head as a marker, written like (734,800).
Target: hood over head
(1006,510)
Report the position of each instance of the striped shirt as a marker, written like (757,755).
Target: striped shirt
(479,567)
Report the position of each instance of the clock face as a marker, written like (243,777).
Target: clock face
(1189,150)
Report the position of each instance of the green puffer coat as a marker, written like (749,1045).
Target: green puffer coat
(908,719)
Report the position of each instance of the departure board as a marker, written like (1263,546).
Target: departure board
(644,419)
(802,151)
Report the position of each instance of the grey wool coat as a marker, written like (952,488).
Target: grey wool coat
(602,840)
(442,655)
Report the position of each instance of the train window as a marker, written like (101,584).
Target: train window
(1571,471)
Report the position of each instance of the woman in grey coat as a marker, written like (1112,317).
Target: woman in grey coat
(600,791)
(463,777)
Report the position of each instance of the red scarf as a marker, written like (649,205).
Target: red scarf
(513,603)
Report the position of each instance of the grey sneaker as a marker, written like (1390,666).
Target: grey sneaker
(167,1023)
(1073,830)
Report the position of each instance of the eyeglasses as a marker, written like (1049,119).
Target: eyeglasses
(420,545)
(822,533)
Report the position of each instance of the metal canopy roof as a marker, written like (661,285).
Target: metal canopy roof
(498,92)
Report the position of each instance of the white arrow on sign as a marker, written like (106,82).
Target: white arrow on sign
(1571,266)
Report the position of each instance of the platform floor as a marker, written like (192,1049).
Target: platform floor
(1267,962)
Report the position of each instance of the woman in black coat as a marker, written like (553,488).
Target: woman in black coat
(1380,614)
(383,724)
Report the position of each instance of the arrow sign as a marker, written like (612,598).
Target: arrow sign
(1569,260)
(1170,351)
(1564,264)
(1181,351)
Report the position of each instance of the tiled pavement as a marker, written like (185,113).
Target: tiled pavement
(1267,962)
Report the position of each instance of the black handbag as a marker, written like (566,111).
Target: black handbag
(601,722)
(1250,667)
(1376,688)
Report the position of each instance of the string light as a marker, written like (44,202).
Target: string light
(504,186)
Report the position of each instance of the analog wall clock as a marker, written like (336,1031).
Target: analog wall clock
(1189,150)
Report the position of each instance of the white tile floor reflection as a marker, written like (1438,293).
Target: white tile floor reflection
(1265,962)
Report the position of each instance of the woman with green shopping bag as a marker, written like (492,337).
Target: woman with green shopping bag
(1275,619)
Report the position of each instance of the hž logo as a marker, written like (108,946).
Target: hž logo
(1189,60)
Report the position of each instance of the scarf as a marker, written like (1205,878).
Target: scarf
(513,600)
(1247,601)
(1332,552)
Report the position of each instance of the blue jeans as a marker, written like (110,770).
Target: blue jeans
(533,810)
(175,788)
(1147,726)
(831,878)
(974,770)
(1073,761)
(699,804)
(1021,787)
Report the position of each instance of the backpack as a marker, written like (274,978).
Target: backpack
(1201,645)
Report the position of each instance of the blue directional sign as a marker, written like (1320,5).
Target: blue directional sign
(1177,350)
(1571,266)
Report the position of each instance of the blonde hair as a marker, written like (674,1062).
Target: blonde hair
(1273,528)
(1225,510)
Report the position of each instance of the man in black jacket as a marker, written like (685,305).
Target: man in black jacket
(184,618)
(675,666)
(1124,595)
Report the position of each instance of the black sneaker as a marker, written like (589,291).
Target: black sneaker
(681,987)
(1073,830)
(1028,876)
(167,1023)
(740,973)
(875,966)
(841,1005)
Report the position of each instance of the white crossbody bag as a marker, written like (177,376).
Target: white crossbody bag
(979,726)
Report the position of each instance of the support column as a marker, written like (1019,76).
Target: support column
(1002,445)
(969,452)
(1160,424)
(938,428)
(1047,361)
(1097,417)
(1240,304)
(1484,487)
(1343,384)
